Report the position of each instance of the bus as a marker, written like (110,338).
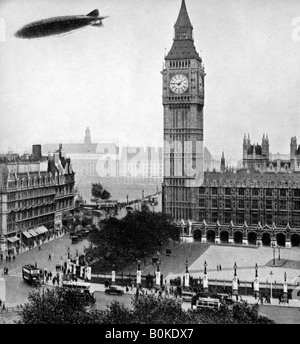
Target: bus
(208,302)
(84,287)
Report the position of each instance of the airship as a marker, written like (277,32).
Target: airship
(57,26)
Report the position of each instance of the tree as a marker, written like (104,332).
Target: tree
(57,306)
(99,192)
(133,237)
(150,309)
(65,306)
(105,195)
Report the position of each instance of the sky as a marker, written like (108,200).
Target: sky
(109,79)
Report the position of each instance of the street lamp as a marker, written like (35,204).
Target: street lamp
(273,247)
(278,252)
(235,267)
(271,274)
(205,280)
(256,270)
(186,266)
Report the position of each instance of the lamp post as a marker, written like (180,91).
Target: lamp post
(273,247)
(205,279)
(157,274)
(278,252)
(68,252)
(113,274)
(271,274)
(256,282)
(187,276)
(138,273)
(235,288)
(285,288)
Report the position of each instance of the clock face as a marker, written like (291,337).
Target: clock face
(179,83)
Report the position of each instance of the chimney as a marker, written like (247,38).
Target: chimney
(37,152)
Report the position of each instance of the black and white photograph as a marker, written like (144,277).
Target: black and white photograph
(149,165)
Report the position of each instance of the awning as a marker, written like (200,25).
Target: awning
(32,232)
(41,229)
(28,235)
(13,239)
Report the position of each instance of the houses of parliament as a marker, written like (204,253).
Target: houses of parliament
(256,204)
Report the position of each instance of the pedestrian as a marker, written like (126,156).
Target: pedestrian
(220,267)
(53,280)
(14,257)
(6,270)
(35,264)
(40,247)
(49,257)
(0,302)
(3,306)
(9,258)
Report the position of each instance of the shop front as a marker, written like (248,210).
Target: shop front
(12,245)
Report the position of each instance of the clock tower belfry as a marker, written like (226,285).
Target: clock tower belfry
(183,102)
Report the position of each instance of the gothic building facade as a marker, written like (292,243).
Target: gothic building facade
(259,157)
(258,204)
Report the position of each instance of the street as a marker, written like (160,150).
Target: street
(17,290)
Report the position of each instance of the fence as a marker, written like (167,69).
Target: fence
(123,279)
(11,309)
(246,287)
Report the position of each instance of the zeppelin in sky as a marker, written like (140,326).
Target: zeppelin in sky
(59,25)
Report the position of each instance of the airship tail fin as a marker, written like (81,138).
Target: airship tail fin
(94,13)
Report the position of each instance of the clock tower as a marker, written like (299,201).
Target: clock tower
(183,102)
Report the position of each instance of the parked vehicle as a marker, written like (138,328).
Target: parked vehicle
(84,287)
(187,296)
(114,290)
(31,275)
(74,239)
(208,302)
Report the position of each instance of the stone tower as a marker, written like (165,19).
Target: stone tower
(293,146)
(87,137)
(223,168)
(183,101)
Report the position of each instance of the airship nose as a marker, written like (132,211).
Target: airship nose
(19,34)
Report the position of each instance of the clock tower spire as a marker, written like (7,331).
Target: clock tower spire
(183,101)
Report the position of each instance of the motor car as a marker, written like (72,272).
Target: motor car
(187,296)
(114,290)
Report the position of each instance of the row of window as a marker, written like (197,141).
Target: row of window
(253,192)
(47,221)
(180,64)
(239,218)
(254,204)
(30,202)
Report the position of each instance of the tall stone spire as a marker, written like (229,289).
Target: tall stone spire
(183,20)
(223,163)
(183,45)
(87,138)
